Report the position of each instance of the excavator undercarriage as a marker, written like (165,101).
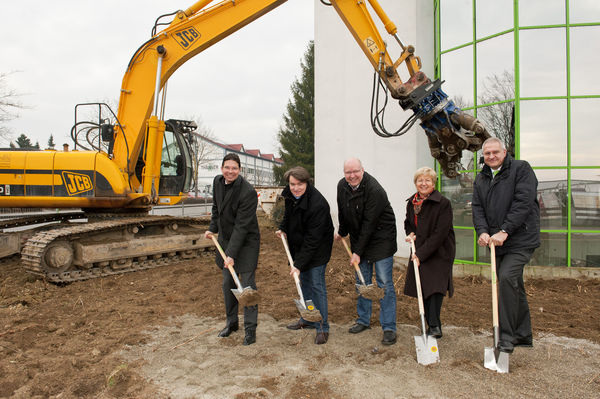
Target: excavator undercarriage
(72,251)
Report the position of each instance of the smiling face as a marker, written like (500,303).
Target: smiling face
(493,154)
(297,187)
(230,171)
(353,172)
(424,185)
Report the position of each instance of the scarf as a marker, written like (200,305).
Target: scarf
(417,202)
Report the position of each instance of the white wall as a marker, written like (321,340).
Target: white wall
(343,86)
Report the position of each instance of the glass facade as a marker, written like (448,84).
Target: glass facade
(526,69)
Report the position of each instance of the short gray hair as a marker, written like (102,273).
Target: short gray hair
(494,140)
(425,171)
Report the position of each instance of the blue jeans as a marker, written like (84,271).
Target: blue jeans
(383,275)
(313,286)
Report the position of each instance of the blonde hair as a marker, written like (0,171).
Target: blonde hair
(426,171)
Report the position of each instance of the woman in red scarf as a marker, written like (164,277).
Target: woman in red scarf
(429,223)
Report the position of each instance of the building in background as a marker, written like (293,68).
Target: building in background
(524,67)
(257,167)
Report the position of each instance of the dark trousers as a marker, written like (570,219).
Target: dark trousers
(231,303)
(513,309)
(433,308)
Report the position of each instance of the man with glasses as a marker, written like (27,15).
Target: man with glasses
(234,218)
(506,213)
(366,214)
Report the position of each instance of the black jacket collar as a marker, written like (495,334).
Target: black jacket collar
(435,196)
(227,197)
(361,186)
(505,166)
(302,202)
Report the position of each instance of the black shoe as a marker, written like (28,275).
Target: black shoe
(523,342)
(250,337)
(298,325)
(389,337)
(505,347)
(226,332)
(357,328)
(435,331)
(321,338)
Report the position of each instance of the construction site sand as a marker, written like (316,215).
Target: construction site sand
(187,360)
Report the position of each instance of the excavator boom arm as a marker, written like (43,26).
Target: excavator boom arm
(203,24)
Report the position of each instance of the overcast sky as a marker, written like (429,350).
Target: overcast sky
(66,52)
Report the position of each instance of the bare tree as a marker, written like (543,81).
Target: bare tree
(203,149)
(499,119)
(8,106)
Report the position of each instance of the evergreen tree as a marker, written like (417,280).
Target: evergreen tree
(37,145)
(297,135)
(12,145)
(24,142)
(51,143)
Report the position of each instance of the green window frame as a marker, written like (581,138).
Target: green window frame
(569,232)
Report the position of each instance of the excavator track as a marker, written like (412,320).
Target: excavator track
(109,247)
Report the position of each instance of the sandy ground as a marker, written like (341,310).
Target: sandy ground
(152,334)
(187,360)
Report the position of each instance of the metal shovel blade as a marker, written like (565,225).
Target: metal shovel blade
(371,291)
(308,312)
(246,297)
(427,350)
(495,360)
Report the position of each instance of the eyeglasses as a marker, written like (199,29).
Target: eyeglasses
(352,172)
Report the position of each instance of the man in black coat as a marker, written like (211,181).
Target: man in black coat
(506,212)
(234,218)
(366,214)
(309,230)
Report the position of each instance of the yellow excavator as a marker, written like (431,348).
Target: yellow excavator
(123,164)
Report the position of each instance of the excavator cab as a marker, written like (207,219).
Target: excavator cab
(176,166)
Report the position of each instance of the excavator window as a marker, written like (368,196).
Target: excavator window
(176,163)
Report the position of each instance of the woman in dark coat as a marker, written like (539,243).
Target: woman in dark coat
(429,223)
(309,230)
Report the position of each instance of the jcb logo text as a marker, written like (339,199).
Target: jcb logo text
(77,183)
(186,37)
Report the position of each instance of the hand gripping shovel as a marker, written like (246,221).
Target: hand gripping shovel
(307,309)
(247,296)
(371,291)
(493,359)
(426,345)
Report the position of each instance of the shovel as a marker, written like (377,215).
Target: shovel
(371,291)
(493,359)
(307,309)
(245,296)
(426,345)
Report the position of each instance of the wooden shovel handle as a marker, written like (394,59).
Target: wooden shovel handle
(289,256)
(350,254)
(417,278)
(360,275)
(219,247)
(287,249)
(230,268)
(494,278)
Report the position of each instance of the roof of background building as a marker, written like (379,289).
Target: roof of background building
(239,148)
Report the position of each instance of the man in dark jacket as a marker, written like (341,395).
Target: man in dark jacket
(506,212)
(234,218)
(365,213)
(309,230)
